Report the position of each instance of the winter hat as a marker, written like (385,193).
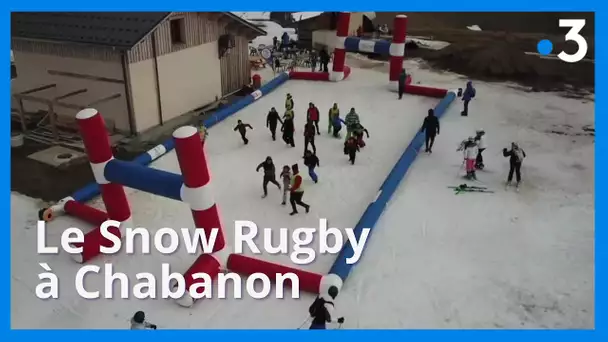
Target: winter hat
(480,130)
(139,317)
(431,111)
(332,292)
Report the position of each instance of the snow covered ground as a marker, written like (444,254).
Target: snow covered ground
(436,260)
(477,260)
(341,196)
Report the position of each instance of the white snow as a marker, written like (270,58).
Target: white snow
(253,16)
(273,30)
(435,260)
(474,28)
(298,16)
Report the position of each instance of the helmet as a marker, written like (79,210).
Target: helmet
(139,317)
(332,292)
(480,130)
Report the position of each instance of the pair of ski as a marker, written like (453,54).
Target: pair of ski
(469,188)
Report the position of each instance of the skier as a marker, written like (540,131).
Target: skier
(242,128)
(311,161)
(286,177)
(351,119)
(516,157)
(271,122)
(467,96)
(309,136)
(469,149)
(288,102)
(203,133)
(288,130)
(269,175)
(296,191)
(322,308)
(351,148)
(430,127)
(313,115)
(359,130)
(138,322)
(333,112)
(481,146)
(401,84)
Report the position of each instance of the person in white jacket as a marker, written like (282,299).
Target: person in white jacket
(480,140)
(470,154)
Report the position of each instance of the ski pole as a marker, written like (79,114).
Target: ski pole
(303,323)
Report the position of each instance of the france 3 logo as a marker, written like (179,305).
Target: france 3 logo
(545,46)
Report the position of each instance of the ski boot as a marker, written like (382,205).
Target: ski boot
(479,166)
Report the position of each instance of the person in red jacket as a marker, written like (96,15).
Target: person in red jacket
(313,115)
(309,136)
(296,191)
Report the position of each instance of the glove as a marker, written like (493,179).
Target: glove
(504,149)
(153,326)
(341,320)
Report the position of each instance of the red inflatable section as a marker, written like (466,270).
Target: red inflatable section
(205,263)
(93,241)
(88,214)
(425,91)
(315,76)
(309,282)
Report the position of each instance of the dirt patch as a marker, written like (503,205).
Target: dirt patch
(500,57)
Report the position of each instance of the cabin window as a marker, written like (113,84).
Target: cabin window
(178,28)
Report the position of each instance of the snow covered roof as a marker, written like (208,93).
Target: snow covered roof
(253,16)
(297,16)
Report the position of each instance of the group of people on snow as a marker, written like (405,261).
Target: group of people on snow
(290,175)
(474,146)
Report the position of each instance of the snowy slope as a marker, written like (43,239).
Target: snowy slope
(341,196)
(502,260)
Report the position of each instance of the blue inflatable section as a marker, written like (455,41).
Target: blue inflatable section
(91,190)
(150,180)
(380,47)
(373,212)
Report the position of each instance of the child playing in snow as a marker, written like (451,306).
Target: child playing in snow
(470,155)
(286,177)
(311,161)
(351,147)
(358,131)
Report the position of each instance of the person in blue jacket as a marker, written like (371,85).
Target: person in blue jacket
(467,96)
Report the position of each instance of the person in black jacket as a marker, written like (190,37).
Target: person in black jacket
(310,132)
(401,83)
(516,157)
(324,57)
(242,128)
(322,308)
(311,161)
(269,175)
(288,130)
(271,122)
(430,127)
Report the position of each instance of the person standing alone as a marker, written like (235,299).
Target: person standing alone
(430,127)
